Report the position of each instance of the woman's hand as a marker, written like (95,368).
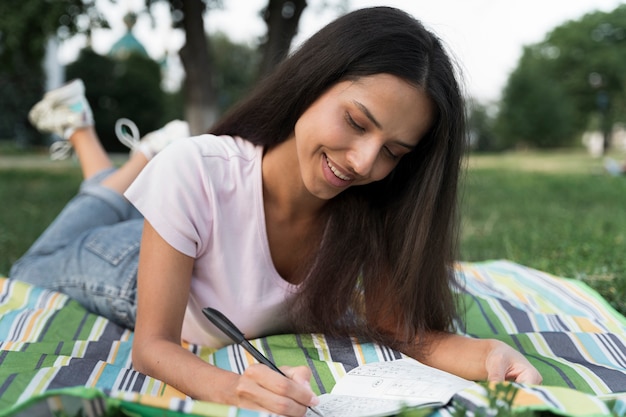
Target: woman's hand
(261,388)
(164,281)
(505,363)
(476,359)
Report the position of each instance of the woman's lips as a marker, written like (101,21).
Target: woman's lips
(334,175)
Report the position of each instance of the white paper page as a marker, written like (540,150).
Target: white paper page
(346,406)
(381,388)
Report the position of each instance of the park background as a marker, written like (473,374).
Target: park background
(535,189)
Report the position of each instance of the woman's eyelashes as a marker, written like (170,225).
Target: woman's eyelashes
(360,129)
(390,153)
(354,124)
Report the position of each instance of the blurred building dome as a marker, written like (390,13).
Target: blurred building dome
(128,44)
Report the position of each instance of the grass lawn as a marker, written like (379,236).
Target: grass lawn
(32,199)
(557,212)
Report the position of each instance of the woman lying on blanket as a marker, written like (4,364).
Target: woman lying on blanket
(326,204)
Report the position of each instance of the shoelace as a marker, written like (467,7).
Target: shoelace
(125,129)
(127,132)
(60,150)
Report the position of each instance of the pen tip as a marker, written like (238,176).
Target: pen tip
(316,411)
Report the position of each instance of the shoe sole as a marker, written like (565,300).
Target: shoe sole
(51,98)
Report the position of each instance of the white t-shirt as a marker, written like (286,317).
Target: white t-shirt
(204,196)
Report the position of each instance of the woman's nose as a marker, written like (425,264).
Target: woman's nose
(362,156)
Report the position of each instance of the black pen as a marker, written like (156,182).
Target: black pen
(225,325)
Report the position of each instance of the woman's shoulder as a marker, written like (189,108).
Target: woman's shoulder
(206,159)
(226,147)
(210,159)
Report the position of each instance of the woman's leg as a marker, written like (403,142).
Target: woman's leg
(90,251)
(90,152)
(66,113)
(94,159)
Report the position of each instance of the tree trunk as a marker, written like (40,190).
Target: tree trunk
(200,107)
(282,18)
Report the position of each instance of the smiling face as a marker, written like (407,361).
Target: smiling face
(357,132)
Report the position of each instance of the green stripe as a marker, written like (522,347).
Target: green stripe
(67,322)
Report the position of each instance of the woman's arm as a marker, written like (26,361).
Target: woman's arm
(469,358)
(477,359)
(163,286)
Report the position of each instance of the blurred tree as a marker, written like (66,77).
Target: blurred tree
(236,69)
(202,104)
(25,28)
(21,24)
(282,18)
(589,58)
(116,88)
(199,89)
(535,110)
(576,75)
(129,86)
(481,128)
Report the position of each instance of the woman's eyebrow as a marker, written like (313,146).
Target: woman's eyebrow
(367,113)
(371,117)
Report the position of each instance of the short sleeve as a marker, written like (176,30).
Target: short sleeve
(172,194)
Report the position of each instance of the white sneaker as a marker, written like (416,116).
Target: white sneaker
(63,110)
(154,142)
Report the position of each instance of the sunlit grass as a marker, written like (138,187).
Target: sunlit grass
(30,201)
(555,212)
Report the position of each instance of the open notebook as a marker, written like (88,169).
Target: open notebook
(384,388)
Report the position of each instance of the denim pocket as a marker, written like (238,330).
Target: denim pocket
(116,242)
(109,275)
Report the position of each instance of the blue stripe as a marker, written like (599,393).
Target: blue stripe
(110,374)
(221,359)
(369,353)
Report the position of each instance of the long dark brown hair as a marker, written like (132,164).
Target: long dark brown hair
(388,250)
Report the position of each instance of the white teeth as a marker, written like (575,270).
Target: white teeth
(337,173)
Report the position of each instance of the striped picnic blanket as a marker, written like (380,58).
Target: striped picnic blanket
(56,359)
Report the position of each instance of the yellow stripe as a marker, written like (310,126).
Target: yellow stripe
(115,347)
(94,377)
(358,351)
(586,325)
(32,323)
(319,341)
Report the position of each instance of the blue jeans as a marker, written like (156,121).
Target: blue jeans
(90,252)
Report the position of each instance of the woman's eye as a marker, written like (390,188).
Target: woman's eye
(390,153)
(354,124)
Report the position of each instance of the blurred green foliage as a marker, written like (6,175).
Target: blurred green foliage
(562,85)
(117,88)
(25,27)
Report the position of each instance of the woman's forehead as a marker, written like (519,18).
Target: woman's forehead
(398,108)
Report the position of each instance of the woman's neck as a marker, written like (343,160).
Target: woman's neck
(284,192)
(294,218)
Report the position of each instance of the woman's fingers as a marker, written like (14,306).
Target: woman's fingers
(505,363)
(299,374)
(262,388)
